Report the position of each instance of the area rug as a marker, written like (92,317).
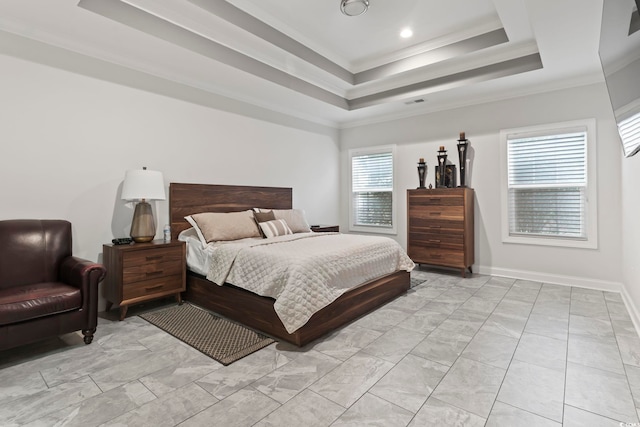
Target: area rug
(218,338)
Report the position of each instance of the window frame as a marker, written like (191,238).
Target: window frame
(370,228)
(591,200)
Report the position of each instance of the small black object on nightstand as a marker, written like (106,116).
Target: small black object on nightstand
(122,241)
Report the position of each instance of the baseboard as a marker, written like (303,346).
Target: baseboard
(632,309)
(580,282)
(556,279)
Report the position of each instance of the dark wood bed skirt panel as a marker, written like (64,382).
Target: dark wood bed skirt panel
(258,313)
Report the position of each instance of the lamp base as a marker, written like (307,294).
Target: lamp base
(143,226)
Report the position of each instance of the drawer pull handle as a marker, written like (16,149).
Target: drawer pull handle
(434,226)
(154,273)
(434,241)
(152,288)
(434,213)
(152,258)
(434,199)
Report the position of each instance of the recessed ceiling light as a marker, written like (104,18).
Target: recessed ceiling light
(406,33)
(354,7)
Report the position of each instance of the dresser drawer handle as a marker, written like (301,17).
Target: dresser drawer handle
(153,288)
(154,273)
(434,226)
(434,199)
(153,258)
(434,241)
(434,213)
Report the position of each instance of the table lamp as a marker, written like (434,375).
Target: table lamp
(143,185)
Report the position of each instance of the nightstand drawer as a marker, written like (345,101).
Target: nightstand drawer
(151,270)
(147,288)
(157,256)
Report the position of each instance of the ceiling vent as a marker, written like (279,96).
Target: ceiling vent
(415,101)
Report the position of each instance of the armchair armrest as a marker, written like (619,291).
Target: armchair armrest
(84,275)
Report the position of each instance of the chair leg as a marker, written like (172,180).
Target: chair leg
(88,335)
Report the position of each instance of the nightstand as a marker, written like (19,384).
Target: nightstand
(325,228)
(143,271)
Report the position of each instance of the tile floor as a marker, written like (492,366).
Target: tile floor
(481,351)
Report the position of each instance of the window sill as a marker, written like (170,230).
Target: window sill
(372,230)
(550,241)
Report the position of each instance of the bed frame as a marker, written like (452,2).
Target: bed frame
(252,310)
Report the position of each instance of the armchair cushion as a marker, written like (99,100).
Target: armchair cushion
(28,302)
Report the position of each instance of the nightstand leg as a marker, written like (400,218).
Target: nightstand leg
(109,305)
(179,298)
(123,311)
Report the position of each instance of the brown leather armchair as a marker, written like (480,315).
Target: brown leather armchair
(44,290)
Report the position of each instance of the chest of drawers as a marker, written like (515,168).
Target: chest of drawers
(143,271)
(440,227)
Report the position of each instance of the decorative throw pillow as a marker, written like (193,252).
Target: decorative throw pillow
(277,227)
(295,218)
(264,216)
(216,226)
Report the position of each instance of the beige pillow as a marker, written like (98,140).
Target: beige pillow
(295,218)
(277,227)
(226,226)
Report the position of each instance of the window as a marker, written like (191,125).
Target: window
(549,185)
(629,129)
(372,200)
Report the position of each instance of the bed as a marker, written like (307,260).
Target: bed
(253,310)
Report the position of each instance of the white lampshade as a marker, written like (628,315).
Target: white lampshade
(143,184)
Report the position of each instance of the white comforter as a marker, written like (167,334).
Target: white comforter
(306,272)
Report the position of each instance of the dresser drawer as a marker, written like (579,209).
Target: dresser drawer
(439,226)
(147,288)
(435,240)
(433,213)
(435,200)
(437,256)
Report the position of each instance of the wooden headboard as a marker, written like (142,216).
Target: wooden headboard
(189,199)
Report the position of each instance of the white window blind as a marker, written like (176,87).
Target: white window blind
(629,129)
(372,189)
(547,185)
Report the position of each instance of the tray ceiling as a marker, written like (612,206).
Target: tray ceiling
(309,60)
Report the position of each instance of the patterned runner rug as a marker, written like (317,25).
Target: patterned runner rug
(218,338)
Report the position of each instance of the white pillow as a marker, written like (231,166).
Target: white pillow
(215,226)
(295,218)
(194,224)
(276,227)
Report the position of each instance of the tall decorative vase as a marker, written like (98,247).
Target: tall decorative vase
(442,164)
(422,170)
(463,144)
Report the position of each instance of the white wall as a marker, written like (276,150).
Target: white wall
(66,141)
(422,135)
(631,233)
